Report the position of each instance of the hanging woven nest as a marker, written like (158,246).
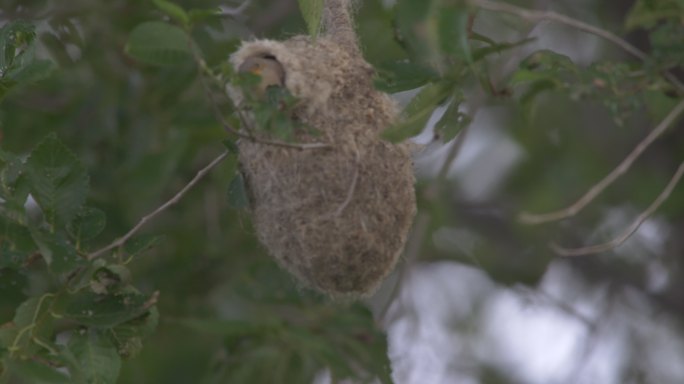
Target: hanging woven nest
(338,217)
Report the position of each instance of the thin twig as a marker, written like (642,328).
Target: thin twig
(176,198)
(537,16)
(631,229)
(622,168)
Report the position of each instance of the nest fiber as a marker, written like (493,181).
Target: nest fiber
(336,218)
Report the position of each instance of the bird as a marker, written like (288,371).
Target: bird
(268,68)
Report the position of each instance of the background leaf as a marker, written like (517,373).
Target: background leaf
(312,12)
(59,182)
(159,43)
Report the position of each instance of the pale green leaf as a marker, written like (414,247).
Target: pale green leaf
(312,12)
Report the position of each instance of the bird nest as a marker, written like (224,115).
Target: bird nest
(337,218)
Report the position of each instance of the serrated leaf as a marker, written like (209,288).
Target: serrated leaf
(175,11)
(237,192)
(418,111)
(87,224)
(58,253)
(58,181)
(312,12)
(159,43)
(92,309)
(480,53)
(98,359)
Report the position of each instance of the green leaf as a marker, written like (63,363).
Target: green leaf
(201,15)
(312,12)
(128,337)
(33,71)
(58,253)
(58,181)
(418,111)
(92,309)
(16,243)
(87,224)
(402,75)
(98,359)
(481,53)
(237,192)
(142,243)
(453,31)
(175,11)
(14,36)
(34,372)
(452,122)
(159,43)
(31,322)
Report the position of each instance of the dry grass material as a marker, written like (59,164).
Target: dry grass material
(336,218)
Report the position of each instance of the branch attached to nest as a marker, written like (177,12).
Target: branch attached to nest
(175,199)
(616,242)
(598,188)
(339,25)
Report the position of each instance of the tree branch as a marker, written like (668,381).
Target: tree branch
(631,229)
(598,188)
(176,198)
(537,16)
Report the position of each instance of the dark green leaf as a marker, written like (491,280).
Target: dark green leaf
(402,75)
(159,43)
(237,193)
(58,181)
(128,337)
(58,253)
(98,360)
(87,224)
(16,243)
(34,372)
(92,309)
(33,71)
(202,15)
(14,36)
(312,12)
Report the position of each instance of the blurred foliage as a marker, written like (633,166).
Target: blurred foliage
(104,116)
